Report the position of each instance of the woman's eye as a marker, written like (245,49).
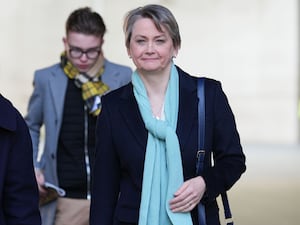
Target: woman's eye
(140,41)
(160,41)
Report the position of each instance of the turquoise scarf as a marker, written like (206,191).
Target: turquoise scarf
(163,173)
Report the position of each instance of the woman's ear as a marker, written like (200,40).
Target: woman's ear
(175,52)
(128,52)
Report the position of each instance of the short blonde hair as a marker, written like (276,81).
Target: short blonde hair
(160,15)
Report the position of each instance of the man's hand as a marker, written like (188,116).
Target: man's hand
(40,181)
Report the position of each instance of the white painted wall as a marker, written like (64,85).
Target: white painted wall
(250,45)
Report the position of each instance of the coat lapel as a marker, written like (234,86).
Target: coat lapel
(188,102)
(131,114)
(58,85)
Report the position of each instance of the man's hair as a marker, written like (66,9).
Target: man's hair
(85,21)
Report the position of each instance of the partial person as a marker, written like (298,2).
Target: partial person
(19,196)
(66,101)
(145,166)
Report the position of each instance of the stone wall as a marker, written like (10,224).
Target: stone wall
(250,45)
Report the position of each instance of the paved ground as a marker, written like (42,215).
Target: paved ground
(269,192)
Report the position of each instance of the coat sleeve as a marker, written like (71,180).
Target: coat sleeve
(34,117)
(223,141)
(20,197)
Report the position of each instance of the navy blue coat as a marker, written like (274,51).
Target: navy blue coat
(18,187)
(121,144)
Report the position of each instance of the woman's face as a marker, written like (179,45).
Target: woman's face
(150,49)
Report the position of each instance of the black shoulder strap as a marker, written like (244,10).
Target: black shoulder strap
(201,126)
(201,154)
(201,113)
(201,136)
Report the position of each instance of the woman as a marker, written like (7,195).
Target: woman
(147,136)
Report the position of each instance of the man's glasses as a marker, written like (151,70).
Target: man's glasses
(91,53)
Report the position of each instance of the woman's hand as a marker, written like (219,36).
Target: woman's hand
(188,195)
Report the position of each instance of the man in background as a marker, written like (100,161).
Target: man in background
(67,99)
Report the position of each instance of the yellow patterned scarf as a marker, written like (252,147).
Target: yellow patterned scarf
(90,83)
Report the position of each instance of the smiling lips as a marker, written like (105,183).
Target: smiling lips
(149,59)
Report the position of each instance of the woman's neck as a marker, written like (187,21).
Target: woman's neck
(156,86)
(155,82)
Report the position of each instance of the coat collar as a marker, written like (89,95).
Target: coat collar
(188,106)
(8,115)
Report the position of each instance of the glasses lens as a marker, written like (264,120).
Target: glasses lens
(92,54)
(75,53)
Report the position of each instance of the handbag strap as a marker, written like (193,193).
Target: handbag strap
(201,126)
(201,154)
(201,151)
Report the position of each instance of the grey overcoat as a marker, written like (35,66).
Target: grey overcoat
(45,109)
